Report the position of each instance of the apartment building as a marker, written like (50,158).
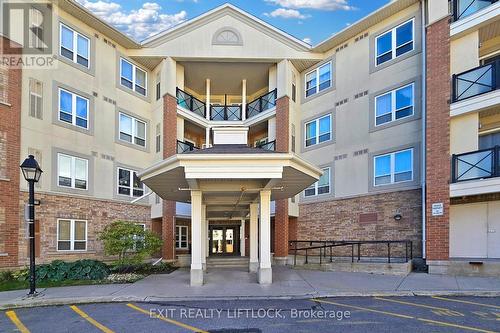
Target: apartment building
(463,125)
(202,131)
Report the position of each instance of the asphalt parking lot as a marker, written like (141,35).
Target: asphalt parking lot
(340,314)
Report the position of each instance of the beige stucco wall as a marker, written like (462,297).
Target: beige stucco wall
(464,133)
(437,9)
(464,53)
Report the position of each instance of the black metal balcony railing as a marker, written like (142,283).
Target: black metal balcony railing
(271,145)
(477,81)
(190,102)
(463,8)
(263,103)
(183,147)
(475,165)
(225,112)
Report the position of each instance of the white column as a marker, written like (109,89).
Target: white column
(204,237)
(243,99)
(265,271)
(207,99)
(242,238)
(254,238)
(196,238)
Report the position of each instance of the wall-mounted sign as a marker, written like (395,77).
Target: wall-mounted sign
(437,209)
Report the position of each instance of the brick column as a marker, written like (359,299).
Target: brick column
(281,213)
(10,159)
(169,149)
(438,138)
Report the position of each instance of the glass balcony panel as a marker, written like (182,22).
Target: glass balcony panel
(475,82)
(474,165)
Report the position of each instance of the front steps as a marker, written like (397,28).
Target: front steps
(227,262)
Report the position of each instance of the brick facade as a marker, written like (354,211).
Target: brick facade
(169,149)
(10,138)
(365,218)
(438,138)
(97,213)
(282,145)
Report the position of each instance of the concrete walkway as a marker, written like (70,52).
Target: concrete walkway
(239,284)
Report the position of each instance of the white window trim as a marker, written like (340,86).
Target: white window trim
(134,83)
(316,185)
(131,187)
(73,108)
(133,134)
(75,45)
(317,120)
(73,172)
(393,167)
(4,84)
(393,104)
(393,41)
(72,235)
(317,79)
(36,20)
(32,93)
(178,240)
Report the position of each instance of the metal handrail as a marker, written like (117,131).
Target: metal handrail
(271,145)
(323,245)
(261,104)
(183,147)
(225,112)
(463,8)
(191,103)
(482,164)
(476,81)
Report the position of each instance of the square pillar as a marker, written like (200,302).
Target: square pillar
(254,240)
(204,234)
(265,275)
(242,238)
(196,238)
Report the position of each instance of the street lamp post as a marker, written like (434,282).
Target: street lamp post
(31,172)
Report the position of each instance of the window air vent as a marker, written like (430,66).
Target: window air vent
(340,157)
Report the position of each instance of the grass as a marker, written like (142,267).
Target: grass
(18,285)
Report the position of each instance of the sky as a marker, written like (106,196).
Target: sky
(310,20)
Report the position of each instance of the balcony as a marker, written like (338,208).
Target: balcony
(261,104)
(225,112)
(464,8)
(268,146)
(191,103)
(183,147)
(471,15)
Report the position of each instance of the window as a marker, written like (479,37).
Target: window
(394,105)
(129,184)
(318,131)
(132,77)
(36,92)
(71,235)
(132,130)
(158,87)
(293,138)
(395,42)
(4,83)
(393,168)
(72,172)
(158,138)
(73,108)
(294,92)
(322,186)
(36,29)
(319,79)
(181,237)
(74,46)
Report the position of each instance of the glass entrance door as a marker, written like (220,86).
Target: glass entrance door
(224,240)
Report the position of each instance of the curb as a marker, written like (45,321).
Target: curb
(158,300)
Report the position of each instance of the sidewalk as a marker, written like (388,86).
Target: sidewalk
(239,284)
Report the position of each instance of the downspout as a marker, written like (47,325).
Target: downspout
(424,127)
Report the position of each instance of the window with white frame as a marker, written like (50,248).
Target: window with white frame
(36,93)
(392,168)
(132,130)
(181,237)
(36,29)
(4,83)
(322,186)
(319,79)
(73,108)
(318,131)
(74,46)
(395,42)
(394,105)
(158,86)
(71,235)
(129,184)
(72,172)
(158,138)
(132,77)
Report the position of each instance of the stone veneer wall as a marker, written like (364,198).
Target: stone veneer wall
(98,214)
(368,217)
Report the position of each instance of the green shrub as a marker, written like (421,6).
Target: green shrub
(6,276)
(59,270)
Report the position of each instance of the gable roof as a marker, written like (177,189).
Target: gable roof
(226,9)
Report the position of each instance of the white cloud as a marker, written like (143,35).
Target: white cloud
(307,40)
(313,4)
(287,14)
(138,23)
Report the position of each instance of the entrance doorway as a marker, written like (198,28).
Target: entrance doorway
(224,240)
